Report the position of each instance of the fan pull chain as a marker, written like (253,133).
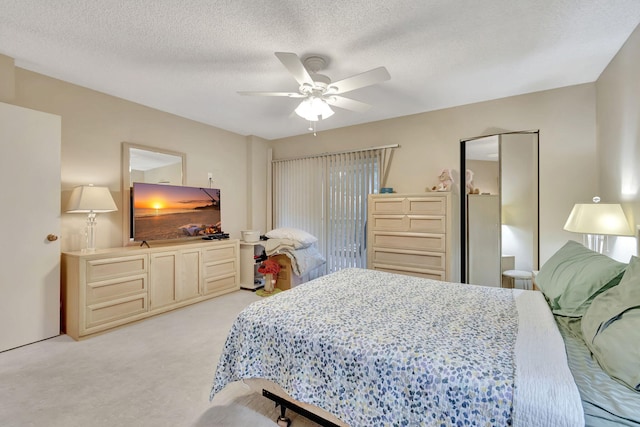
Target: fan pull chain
(312,127)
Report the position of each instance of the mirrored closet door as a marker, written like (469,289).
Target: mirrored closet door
(499,208)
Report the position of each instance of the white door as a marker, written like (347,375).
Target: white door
(30,194)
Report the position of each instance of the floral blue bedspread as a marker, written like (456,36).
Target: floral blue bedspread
(379,349)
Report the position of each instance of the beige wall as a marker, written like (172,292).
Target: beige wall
(258,190)
(430,142)
(618,124)
(94,125)
(7,79)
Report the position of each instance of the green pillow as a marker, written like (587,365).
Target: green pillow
(610,304)
(611,328)
(574,276)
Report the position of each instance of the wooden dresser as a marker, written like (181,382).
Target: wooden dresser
(112,287)
(410,234)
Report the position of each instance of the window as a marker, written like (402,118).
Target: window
(326,195)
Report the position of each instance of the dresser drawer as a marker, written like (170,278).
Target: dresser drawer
(430,260)
(427,274)
(107,268)
(218,253)
(110,290)
(410,241)
(389,222)
(221,284)
(102,314)
(219,268)
(426,224)
(426,206)
(387,205)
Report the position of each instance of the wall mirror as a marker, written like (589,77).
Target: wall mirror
(499,208)
(151,165)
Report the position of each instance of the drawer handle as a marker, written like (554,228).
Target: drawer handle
(52,237)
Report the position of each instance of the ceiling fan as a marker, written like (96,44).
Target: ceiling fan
(317,90)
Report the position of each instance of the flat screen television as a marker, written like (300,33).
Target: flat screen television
(166,212)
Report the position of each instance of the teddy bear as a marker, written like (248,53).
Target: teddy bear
(445,181)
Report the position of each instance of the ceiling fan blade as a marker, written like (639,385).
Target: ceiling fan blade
(287,94)
(368,78)
(293,63)
(347,103)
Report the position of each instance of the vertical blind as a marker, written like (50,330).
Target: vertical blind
(326,195)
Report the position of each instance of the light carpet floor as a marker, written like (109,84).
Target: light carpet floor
(157,372)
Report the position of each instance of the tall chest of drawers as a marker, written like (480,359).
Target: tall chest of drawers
(410,234)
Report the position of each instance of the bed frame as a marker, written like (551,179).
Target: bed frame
(275,393)
(285,404)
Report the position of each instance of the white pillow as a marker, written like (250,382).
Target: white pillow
(302,237)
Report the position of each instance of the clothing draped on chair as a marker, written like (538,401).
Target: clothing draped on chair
(326,195)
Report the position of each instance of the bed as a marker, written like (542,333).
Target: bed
(596,304)
(364,347)
(605,401)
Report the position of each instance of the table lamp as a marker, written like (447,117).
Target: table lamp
(596,221)
(91,200)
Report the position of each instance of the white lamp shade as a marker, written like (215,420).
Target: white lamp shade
(313,109)
(598,218)
(87,198)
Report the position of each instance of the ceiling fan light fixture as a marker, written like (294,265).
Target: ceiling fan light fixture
(306,88)
(314,109)
(331,90)
(318,92)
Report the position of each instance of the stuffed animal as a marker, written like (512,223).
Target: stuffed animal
(471,189)
(445,181)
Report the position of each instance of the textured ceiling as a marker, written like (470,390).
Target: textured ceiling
(190,57)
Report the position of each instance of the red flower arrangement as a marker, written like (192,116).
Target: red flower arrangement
(269,266)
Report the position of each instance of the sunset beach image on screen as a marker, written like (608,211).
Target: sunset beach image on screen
(163,212)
